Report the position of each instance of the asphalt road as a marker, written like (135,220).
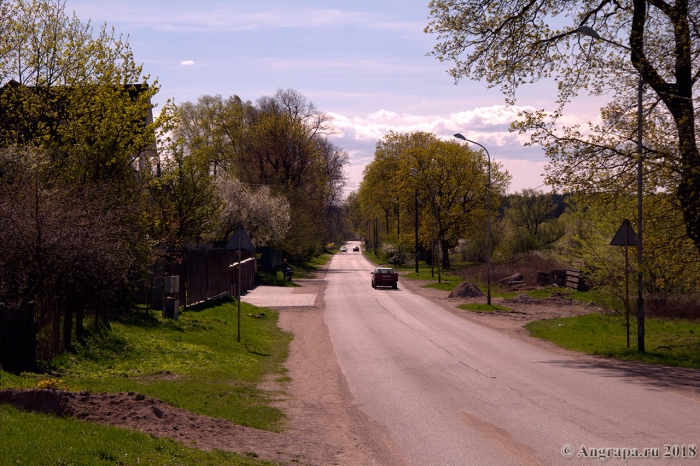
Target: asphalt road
(452,392)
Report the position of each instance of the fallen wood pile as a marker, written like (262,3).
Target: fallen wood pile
(572,279)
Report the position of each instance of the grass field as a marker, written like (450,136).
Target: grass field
(585,296)
(193,363)
(448,281)
(668,342)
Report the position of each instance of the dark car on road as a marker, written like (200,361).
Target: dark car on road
(356,249)
(385,277)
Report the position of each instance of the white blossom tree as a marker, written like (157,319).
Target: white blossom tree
(265,217)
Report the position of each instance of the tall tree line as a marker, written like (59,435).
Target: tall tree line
(447,181)
(278,145)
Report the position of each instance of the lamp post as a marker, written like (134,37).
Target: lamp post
(414,173)
(488,221)
(590,32)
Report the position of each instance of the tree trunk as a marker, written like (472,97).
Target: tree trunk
(18,339)
(445,257)
(79,318)
(68,322)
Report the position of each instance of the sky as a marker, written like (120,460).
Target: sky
(362,62)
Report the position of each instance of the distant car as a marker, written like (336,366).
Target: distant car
(356,249)
(385,277)
(343,249)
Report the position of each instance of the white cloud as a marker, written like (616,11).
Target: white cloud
(187,62)
(487,125)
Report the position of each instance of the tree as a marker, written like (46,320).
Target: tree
(533,213)
(512,43)
(185,207)
(279,142)
(75,128)
(80,97)
(264,216)
(78,244)
(671,264)
(450,180)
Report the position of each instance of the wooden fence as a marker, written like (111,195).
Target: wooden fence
(247,270)
(207,274)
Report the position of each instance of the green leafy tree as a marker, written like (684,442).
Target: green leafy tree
(75,128)
(74,92)
(533,214)
(449,179)
(510,44)
(671,264)
(279,142)
(186,206)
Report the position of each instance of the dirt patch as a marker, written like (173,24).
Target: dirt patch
(466,290)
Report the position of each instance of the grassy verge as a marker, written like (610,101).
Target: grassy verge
(193,363)
(273,279)
(475,307)
(448,282)
(302,269)
(668,342)
(39,439)
(585,296)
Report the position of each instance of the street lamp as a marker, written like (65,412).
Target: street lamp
(488,216)
(590,32)
(414,173)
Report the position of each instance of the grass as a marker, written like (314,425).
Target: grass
(308,269)
(193,363)
(25,441)
(668,342)
(586,296)
(273,279)
(449,282)
(475,307)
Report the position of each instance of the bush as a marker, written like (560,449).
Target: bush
(672,306)
(528,265)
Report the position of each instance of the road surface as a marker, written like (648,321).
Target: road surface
(452,392)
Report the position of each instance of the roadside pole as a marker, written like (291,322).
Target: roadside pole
(240,234)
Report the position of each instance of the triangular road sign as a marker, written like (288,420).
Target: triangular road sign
(619,238)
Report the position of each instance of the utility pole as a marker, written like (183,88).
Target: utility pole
(417,252)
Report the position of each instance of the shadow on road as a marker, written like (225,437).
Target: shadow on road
(679,378)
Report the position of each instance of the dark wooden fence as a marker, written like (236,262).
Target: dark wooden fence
(207,274)
(246,268)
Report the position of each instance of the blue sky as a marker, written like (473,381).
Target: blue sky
(363,62)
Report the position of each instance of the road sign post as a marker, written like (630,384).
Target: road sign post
(626,237)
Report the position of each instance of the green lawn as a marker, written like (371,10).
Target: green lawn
(475,307)
(309,268)
(448,282)
(586,296)
(40,439)
(668,342)
(193,363)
